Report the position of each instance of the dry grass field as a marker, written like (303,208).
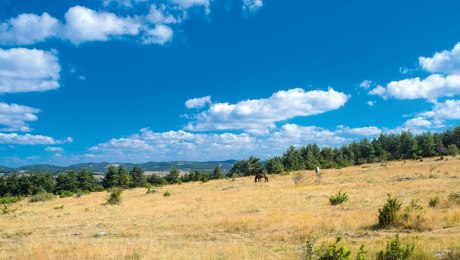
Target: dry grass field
(238,219)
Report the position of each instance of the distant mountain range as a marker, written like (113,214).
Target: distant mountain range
(102,167)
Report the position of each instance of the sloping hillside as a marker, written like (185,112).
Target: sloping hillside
(238,219)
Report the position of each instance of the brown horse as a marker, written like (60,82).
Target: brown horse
(259,177)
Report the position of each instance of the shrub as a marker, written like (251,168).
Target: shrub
(297,178)
(362,253)
(6,210)
(395,250)
(388,215)
(413,217)
(10,199)
(339,198)
(115,196)
(434,202)
(59,207)
(334,252)
(167,194)
(65,194)
(40,197)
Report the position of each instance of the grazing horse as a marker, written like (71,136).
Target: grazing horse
(259,177)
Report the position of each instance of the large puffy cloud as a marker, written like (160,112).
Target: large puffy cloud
(28,29)
(25,70)
(28,139)
(183,145)
(443,62)
(448,110)
(444,82)
(83,24)
(260,114)
(15,117)
(434,86)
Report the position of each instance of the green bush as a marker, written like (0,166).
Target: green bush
(7,210)
(334,252)
(434,202)
(362,253)
(115,196)
(65,194)
(413,217)
(395,250)
(339,198)
(40,197)
(10,199)
(167,194)
(389,214)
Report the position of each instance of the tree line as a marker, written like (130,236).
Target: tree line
(383,148)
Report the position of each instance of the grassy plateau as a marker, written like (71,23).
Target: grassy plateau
(239,219)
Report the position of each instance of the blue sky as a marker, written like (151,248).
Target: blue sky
(137,81)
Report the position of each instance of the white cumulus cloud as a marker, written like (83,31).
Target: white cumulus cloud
(260,114)
(443,62)
(198,102)
(160,34)
(16,117)
(29,29)
(433,86)
(28,139)
(84,24)
(25,70)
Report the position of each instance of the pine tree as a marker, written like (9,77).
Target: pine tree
(86,181)
(173,176)
(111,178)
(217,173)
(124,180)
(137,177)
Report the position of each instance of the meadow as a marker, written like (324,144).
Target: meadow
(239,219)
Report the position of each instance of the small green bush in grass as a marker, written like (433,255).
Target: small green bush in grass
(388,215)
(434,202)
(339,198)
(115,196)
(335,252)
(395,250)
(167,194)
(41,197)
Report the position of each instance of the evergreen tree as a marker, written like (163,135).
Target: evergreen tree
(111,179)
(217,173)
(426,144)
(138,177)
(407,146)
(66,181)
(86,181)
(173,176)
(292,160)
(274,165)
(452,149)
(124,180)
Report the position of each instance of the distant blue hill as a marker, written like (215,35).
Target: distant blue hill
(102,167)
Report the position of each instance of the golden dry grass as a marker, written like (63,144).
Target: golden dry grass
(237,219)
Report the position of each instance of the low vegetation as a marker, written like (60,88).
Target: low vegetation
(337,199)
